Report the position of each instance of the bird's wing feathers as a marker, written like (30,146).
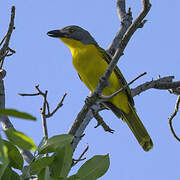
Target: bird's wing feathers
(118,73)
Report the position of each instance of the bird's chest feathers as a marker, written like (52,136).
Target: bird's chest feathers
(89,64)
(85,60)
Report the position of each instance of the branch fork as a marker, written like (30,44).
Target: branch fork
(45,110)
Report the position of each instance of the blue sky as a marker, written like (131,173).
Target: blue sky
(42,60)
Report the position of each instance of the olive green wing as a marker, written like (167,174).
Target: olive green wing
(118,73)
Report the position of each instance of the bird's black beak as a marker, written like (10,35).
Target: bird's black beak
(56,33)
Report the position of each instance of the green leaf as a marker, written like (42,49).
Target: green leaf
(62,162)
(3,152)
(15,158)
(42,143)
(38,165)
(74,177)
(9,174)
(45,174)
(15,113)
(55,142)
(59,178)
(41,175)
(20,139)
(94,168)
(3,157)
(2,169)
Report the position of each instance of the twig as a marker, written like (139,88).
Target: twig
(141,25)
(126,21)
(105,98)
(162,83)
(11,50)
(172,116)
(3,39)
(175,91)
(101,122)
(43,116)
(45,102)
(23,94)
(75,161)
(43,111)
(3,56)
(4,49)
(6,123)
(57,107)
(46,107)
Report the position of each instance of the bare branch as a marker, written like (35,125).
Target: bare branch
(101,122)
(172,116)
(46,107)
(43,116)
(45,102)
(5,122)
(5,47)
(23,94)
(162,83)
(106,98)
(3,39)
(126,21)
(175,91)
(82,120)
(75,161)
(57,107)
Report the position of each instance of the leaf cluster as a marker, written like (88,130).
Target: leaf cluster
(52,158)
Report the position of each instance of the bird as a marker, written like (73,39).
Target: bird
(91,61)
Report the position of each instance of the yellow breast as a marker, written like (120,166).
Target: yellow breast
(90,65)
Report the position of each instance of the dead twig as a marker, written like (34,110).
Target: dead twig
(57,107)
(101,122)
(164,83)
(23,94)
(106,98)
(3,39)
(172,116)
(75,161)
(5,49)
(45,110)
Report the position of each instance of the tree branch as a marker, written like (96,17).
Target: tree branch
(172,116)
(86,113)
(45,109)
(164,83)
(119,52)
(106,98)
(5,122)
(126,21)
(4,50)
(101,122)
(80,157)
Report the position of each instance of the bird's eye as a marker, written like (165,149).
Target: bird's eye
(71,30)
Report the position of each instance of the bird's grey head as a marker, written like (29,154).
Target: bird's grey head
(73,32)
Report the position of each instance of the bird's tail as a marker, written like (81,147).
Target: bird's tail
(138,129)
